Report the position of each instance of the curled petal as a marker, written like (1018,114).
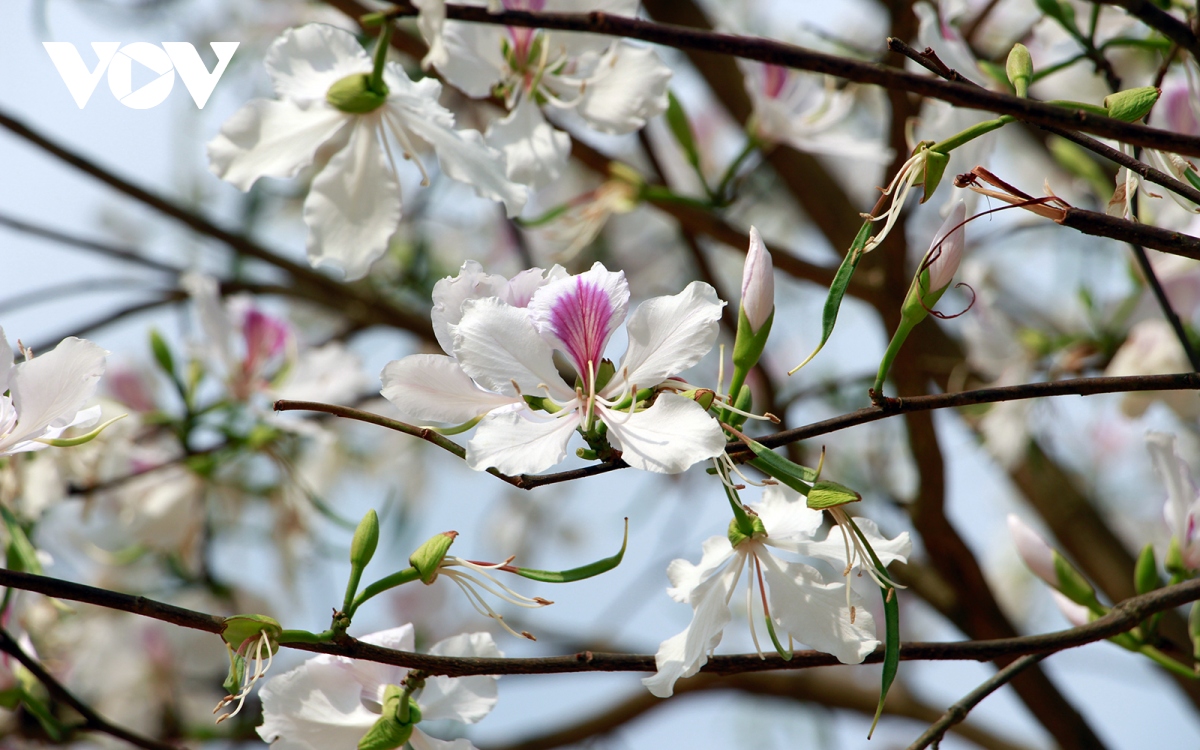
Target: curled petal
(353,207)
(49,391)
(267,138)
(450,293)
(535,152)
(304,62)
(316,705)
(433,388)
(787,518)
(685,576)
(519,442)
(667,438)
(629,88)
(465,699)
(667,335)
(497,345)
(422,741)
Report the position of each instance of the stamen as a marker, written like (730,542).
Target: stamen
(406,143)
(750,615)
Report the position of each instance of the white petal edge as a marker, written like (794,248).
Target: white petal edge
(519,442)
(535,152)
(433,388)
(668,335)
(667,438)
(314,707)
(465,699)
(48,391)
(628,89)
(304,62)
(268,138)
(497,345)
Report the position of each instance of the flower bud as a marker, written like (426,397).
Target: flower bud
(702,396)
(933,167)
(830,495)
(429,555)
(947,248)
(1145,573)
(1019,68)
(1131,105)
(758,283)
(366,538)
(1034,552)
(354,94)
(1076,614)
(394,727)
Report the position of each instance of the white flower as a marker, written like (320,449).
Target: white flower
(614,86)
(46,394)
(806,111)
(1182,509)
(331,702)
(802,602)
(504,356)
(353,206)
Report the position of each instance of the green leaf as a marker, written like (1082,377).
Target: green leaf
(22,555)
(837,290)
(162,353)
(677,120)
(581,573)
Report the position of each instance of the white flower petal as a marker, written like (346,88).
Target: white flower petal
(628,88)
(316,706)
(474,57)
(305,62)
(465,699)
(667,335)
(497,345)
(578,314)
(451,292)
(48,391)
(422,741)
(431,18)
(685,576)
(815,612)
(948,248)
(353,207)
(520,442)
(535,152)
(1182,509)
(462,154)
(373,677)
(787,518)
(684,654)
(267,138)
(433,388)
(667,438)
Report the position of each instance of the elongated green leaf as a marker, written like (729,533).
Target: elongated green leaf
(799,478)
(580,573)
(837,290)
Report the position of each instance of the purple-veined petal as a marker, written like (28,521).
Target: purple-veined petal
(48,391)
(268,138)
(315,706)
(667,438)
(535,152)
(353,207)
(451,292)
(433,388)
(815,613)
(684,654)
(520,442)
(667,335)
(304,62)
(497,346)
(628,89)
(578,314)
(465,699)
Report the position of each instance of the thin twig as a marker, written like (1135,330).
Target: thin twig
(92,720)
(1122,618)
(959,711)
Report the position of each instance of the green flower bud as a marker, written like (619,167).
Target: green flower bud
(1194,629)
(1019,68)
(1174,560)
(1131,105)
(386,734)
(354,94)
(1145,574)
(677,120)
(429,555)
(737,534)
(366,538)
(830,495)
(744,400)
(935,166)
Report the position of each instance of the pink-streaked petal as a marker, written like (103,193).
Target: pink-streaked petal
(519,442)
(497,346)
(48,391)
(267,138)
(815,613)
(667,438)
(667,335)
(578,314)
(305,62)
(433,388)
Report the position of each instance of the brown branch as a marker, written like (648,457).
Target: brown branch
(92,720)
(779,53)
(1159,20)
(1122,618)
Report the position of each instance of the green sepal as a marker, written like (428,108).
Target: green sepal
(1091,109)
(891,618)
(825,494)
(233,680)
(748,345)
(799,478)
(935,166)
(241,628)
(744,400)
(1173,562)
(21,554)
(79,440)
(389,732)
(353,94)
(1019,69)
(1132,105)
(751,528)
(677,120)
(1073,585)
(604,373)
(162,353)
(581,573)
(837,290)
(1145,573)
(703,396)
(428,557)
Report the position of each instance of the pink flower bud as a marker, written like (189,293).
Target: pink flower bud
(1033,550)
(947,255)
(1076,614)
(758,283)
